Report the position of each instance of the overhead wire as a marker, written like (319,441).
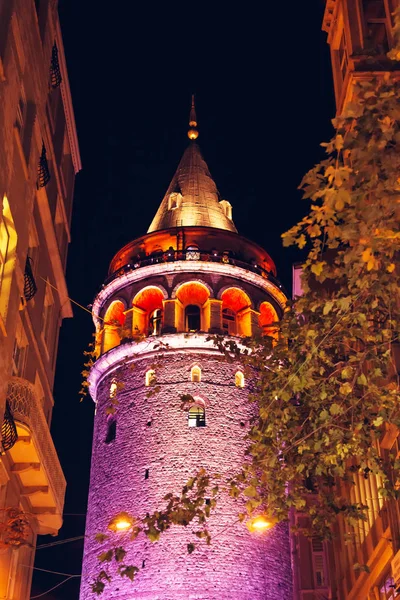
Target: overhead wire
(54,587)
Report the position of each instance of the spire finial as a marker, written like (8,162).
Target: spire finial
(193,134)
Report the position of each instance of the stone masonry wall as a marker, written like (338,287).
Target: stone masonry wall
(153,434)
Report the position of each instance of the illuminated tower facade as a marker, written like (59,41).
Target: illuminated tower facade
(192,274)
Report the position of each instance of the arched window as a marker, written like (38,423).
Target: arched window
(150,377)
(192,317)
(196,416)
(155,322)
(195,374)
(268,319)
(146,303)
(239,379)
(111,430)
(236,312)
(114,321)
(192,253)
(229,321)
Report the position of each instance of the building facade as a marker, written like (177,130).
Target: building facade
(360,33)
(192,274)
(39,158)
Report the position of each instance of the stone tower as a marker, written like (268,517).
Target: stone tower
(192,274)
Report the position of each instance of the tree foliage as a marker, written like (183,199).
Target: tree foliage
(328,389)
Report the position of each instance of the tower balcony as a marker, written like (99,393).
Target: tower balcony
(194,254)
(34,458)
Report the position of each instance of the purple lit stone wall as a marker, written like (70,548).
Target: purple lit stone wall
(153,433)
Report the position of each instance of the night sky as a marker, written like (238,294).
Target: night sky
(264,100)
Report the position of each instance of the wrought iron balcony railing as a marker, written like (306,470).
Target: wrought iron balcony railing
(194,255)
(9,433)
(27,410)
(43,170)
(30,287)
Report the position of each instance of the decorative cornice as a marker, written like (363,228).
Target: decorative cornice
(328,15)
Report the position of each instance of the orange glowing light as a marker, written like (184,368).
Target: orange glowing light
(260,524)
(193,134)
(121,525)
(121,522)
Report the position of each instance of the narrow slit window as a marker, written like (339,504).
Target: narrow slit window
(146,474)
(111,431)
(239,379)
(150,377)
(196,416)
(195,374)
(113,389)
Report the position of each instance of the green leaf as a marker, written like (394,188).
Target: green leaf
(335,409)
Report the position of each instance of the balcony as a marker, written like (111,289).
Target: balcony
(34,458)
(194,255)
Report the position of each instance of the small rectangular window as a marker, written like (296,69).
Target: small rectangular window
(48,314)
(375,26)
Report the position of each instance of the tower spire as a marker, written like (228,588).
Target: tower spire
(193,134)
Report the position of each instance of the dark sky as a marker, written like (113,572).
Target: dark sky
(264,98)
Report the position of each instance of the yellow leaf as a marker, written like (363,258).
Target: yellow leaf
(391,268)
(317,268)
(366,255)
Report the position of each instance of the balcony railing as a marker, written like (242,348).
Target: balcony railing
(194,255)
(30,287)
(27,410)
(9,433)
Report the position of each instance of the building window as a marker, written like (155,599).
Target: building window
(21,114)
(196,416)
(227,208)
(111,430)
(150,377)
(192,317)
(155,322)
(113,389)
(239,379)
(318,559)
(343,56)
(8,246)
(195,374)
(20,351)
(229,321)
(174,200)
(375,24)
(48,314)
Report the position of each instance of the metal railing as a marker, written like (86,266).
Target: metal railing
(9,433)
(27,410)
(194,255)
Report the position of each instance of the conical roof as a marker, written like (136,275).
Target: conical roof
(192,198)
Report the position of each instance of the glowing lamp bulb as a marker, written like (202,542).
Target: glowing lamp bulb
(260,524)
(122,524)
(193,134)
